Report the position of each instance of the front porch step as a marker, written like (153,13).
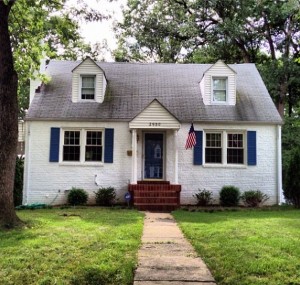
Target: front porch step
(155,195)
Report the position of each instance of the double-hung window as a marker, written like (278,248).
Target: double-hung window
(235,148)
(224,147)
(83,145)
(71,147)
(219,89)
(93,147)
(88,87)
(213,148)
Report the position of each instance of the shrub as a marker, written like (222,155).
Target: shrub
(203,197)
(229,196)
(292,180)
(77,196)
(18,188)
(105,196)
(254,198)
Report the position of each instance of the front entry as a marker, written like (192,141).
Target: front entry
(153,156)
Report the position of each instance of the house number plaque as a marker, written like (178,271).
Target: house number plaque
(152,124)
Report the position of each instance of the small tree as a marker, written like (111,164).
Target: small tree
(292,181)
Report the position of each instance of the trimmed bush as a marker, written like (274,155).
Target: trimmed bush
(18,186)
(105,196)
(77,196)
(229,196)
(203,197)
(292,180)
(254,198)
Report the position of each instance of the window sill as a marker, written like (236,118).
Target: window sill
(215,165)
(81,164)
(219,103)
(86,100)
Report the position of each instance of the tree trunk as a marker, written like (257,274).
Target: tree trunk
(8,122)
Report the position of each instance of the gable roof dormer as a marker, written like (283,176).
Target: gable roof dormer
(88,82)
(218,85)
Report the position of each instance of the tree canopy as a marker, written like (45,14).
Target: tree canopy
(46,28)
(263,32)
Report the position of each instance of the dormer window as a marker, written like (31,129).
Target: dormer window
(88,87)
(88,82)
(219,89)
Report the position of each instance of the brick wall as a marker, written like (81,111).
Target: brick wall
(46,182)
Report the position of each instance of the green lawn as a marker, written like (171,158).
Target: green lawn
(246,247)
(71,246)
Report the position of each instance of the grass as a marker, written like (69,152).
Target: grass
(71,246)
(246,247)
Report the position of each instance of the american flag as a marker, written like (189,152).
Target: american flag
(191,139)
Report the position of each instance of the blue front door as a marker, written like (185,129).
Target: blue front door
(154,154)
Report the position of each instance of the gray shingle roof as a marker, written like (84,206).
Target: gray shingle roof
(132,86)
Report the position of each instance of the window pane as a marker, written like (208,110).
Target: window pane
(88,81)
(71,153)
(93,153)
(72,137)
(220,95)
(235,140)
(213,140)
(219,84)
(213,155)
(235,156)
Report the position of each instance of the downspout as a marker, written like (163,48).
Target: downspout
(281,198)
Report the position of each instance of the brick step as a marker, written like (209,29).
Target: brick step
(154,194)
(158,187)
(157,208)
(153,182)
(155,204)
(155,200)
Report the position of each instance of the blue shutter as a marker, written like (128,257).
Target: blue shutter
(109,146)
(54,145)
(198,160)
(251,144)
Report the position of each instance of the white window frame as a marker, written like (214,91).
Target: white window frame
(83,135)
(212,90)
(224,146)
(80,89)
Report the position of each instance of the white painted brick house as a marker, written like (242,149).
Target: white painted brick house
(125,125)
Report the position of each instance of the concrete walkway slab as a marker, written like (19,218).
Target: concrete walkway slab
(166,257)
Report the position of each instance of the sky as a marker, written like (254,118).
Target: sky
(99,31)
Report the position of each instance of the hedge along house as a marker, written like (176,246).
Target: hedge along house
(125,125)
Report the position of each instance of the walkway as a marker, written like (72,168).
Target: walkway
(166,257)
